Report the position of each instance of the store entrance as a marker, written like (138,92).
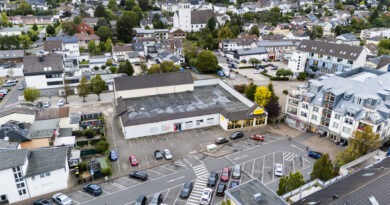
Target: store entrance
(177,126)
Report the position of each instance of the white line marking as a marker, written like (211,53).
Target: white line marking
(166,195)
(262,175)
(118,185)
(106,192)
(172,180)
(86,194)
(151,170)
(298,147)
(243,156)
(177,197)
(253,167)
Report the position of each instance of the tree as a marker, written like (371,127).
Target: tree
(24,8)
(77,20)
(225,32)
(100,11)
(35,27)
(190,52)
(31,94)
(98,85)
(284,72)
(108,45)
(290,182)
(67,90)
(125,25)
(322,169)
(143,4)
(126,67)
(250,91)
(364,141)
(91,47)
(255,31)
(254,61)
(168,66)
(129,4)
(112,5)
(207,62)
(113,69)
(339,6)
(301,76)
(384,47)
(104,32)
(83,88)
(317,32)
(346,156)
(102,146)
(69,27)
(262,95)
(211,23)
(50,30)
(273,108)
(102,22)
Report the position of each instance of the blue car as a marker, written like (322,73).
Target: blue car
(220,73)
(314,155)
(113,155)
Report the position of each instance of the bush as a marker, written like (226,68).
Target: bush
(106,171)
(285,92)
(109,62)
(113,69)
(77,133)
(81,143)
(82,166)
(103,67)
(301,76)
(240,88)
(279,78)
(102,146)
(96,68)
(89,133)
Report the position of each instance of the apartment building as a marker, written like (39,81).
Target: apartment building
(375,32)
(324,57)
(337,105)
(243,42)
(152,33)
(276,48)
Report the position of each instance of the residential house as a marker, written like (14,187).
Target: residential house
(70,46)
(276,48)
(13,31)
(188,20)
(11,56)
(177,33)
(119,53)
(152,33)
(168,56)
(266,30)
(84,39)
(219,8)
(379,63)
(282,29)
(38,4)
(348,38)
(336,106)
(248,26)
(90,21)
(85,28)
(31,173)
(53,46)
(44,73)
(375,32)
(146,23)
(13,131)
(175,46)
(229,45)
(324,57)
(247,53)
(299,34)
(326,27)
(30,20)
(374,40)
(42,133)
(98,61)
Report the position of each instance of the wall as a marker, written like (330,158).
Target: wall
(40,82)
(64,123)
(168,126)
(8,186)
(361,60)
(36,143)
(153,91)
(18,117)
(17,72)
(57,180)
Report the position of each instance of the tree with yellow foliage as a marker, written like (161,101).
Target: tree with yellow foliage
(262,95)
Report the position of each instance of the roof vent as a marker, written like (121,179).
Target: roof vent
(258,197)
(335,196)
(41,59)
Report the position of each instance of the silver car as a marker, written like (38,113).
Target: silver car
(62,199)
(236,173)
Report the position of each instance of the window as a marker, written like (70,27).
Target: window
(47,174)
(348,121)
(314,117)
(189,124)
(339,59)
(304,105)
(335,125)
(316,109)
(337,116)
(210,121)
(42,175)
(199,123)
(3,198)
(303,114)
(19,181)
(347,130)
(55,83)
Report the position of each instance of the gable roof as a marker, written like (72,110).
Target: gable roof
(55,45)
(152,80)
(331,49)
(86,37)
(201,16)
(11,54)
(20,110)
(125,48)
(46,159)
(12,158)
(34,65)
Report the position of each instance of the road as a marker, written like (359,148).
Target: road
(256,159)
(12,96)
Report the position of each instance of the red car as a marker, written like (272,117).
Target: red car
(258,138)
(133,160)
(225,174)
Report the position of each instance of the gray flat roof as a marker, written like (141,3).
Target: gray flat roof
(243,194)
(203,100)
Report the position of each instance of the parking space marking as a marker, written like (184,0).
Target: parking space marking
(262,176)
(150,195)
(273,166)
(151,170)
(118,185)
(147,161)
(298,147)
(253,167)
(106,192)
(86,194)
(137,182)
(177,197)
(172,180)
(243,156)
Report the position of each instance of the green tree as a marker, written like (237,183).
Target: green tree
(83,88)
(113,69)
(50,30)
(98,85)
(91,47)
(77,20)
(339,6)
(31,94)
(102,146)
(254,61)
(168,66)
(301,76)
(290,182)
(211,23)
(104,32)
(317,32)
(143,4)
(225,33)
(207,62)
(250,91)
(322,169)
(129,4)
(384,47)
(24,8)
(125,25)
(35,27)
(108,45)
(126,67)
(262,95)
(364,141)
(112,5)
(100,11)
(67,90)
(190,52)
(255,31)
(69,27)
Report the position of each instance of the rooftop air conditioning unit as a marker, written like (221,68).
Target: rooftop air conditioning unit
(258,197)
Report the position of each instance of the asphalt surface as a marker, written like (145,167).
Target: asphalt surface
(12,97)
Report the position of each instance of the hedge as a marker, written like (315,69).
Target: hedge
(279,78)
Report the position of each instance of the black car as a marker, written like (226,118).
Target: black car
(220,190)
(141,175)
(213,178)
(158,155)
(186,190)
(93,189)
(42,202)
(141,200)
(233,184)
(236,135)
(221,140)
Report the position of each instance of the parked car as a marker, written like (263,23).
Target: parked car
(256,72)
(270,64)
(261,66)
(157,154)
(213,178)
(186,190)
(113,155)
(21,87)
(274,68)
(62,199)
(206,196)
(93,189)
(4,91)
(141,200)
(2,95)
(140,175)
(133,160)
(236,173)
(233,184)
(220,73)
(257,137)
(157,199)
(236,135)
(220,190)
(225,174)
(46,104)
(167,154)
(278,170)
(42,202)
(221,140)
(61,103)
(9,83)
(314,154)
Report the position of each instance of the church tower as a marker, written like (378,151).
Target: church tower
(184,15)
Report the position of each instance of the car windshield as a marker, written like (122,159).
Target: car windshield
(185,190)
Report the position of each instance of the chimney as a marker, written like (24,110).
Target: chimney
(41,59)
(258,197)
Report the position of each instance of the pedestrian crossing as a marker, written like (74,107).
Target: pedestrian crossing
(201,173)
(289,156)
